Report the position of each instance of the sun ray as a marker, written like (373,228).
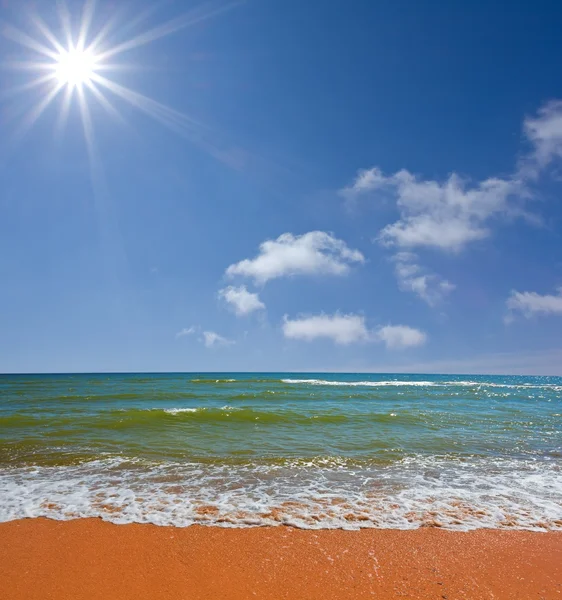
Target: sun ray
(102,34)
(191,18)
(14,34)
(63,112)
(180,124)
(116,67)
(110,24)
(26,65)
(110,236)
(24,87)
(39,109)
(166,115)
(65,21)
(47,33)
(110,109)
(86,123)
(72,62)
(85,23)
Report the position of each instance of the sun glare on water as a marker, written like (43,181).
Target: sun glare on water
(75,67)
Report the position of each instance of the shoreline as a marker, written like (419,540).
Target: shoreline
(90,558)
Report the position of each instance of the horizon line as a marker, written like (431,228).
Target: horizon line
(432,373)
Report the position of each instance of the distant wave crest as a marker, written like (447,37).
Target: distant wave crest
(413,383)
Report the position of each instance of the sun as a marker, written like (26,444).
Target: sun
(75,67)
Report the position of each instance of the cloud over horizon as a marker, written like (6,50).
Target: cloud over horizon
(212,339)
(531,304)
(347,329)
(342,329)
(401,336)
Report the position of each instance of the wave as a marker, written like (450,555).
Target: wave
(397,383)
(357,383)
(125,418)
(224,414)
(415,492)
(208,381)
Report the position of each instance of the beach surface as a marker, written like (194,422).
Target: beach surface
(91,559)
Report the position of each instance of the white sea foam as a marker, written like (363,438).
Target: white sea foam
(315,494)
(398,383)
(175,411)
(359,383)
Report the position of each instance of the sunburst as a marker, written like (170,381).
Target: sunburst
(74,67)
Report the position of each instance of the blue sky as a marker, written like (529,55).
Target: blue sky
(282,186)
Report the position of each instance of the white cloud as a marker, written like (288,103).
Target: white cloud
(545,133)
(365,181)
(450,214)
(241,300)
(444,215)
(431,288)
(348,329)
(186,331)
(401,336)
(313,253)
(342,329)
(530,304)
(212,339)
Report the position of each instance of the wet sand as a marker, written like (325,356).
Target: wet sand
(91,559)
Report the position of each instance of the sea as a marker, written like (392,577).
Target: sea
(314,450)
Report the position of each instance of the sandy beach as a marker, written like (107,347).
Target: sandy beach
(89,558)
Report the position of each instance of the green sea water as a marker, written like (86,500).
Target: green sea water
(310,450)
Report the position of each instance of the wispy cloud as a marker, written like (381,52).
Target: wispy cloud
(212,339)
(531,304)
(544,131)
(401,336)
(186,331)
(412,277)
(241,300)
(347,329)
(313,253)
(209,338)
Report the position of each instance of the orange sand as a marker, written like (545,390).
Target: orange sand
(75,560)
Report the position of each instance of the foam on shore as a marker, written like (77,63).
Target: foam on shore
(321,493)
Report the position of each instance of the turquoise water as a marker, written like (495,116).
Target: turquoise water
(310,450)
